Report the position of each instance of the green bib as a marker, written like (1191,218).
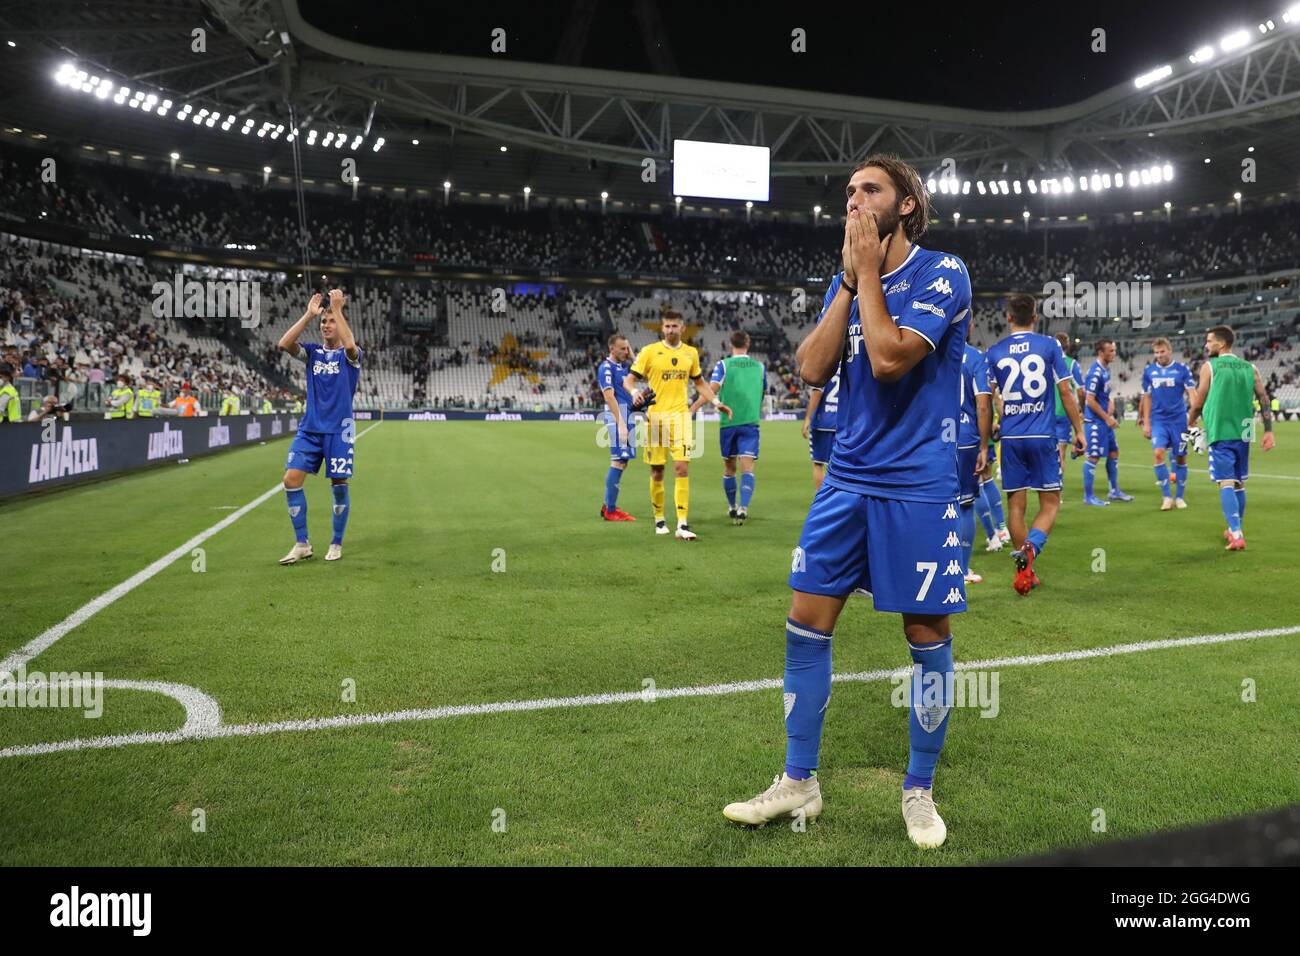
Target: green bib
(1230,407)
(1069,367)
(743,386)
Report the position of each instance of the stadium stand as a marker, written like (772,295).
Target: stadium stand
(74,317)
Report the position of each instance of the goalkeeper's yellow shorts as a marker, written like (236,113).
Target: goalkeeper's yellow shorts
(668,434)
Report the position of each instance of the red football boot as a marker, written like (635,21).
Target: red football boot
(1026,580)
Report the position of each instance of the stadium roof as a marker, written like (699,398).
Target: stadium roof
(573,131)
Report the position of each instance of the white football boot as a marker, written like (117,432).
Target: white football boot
(334,552)
(1166,504)
(994,543)
(684,532)
(300,552)
(785,798)
(973,578)
(1180,504)
(1004,535)
(925,827)
(661,526)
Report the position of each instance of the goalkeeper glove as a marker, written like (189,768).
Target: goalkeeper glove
(643,400)
(1194,438)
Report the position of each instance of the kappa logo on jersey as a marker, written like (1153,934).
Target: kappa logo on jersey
(948,262)
(950,511)
(954,567)
(325,368)
(952,540)
(930,307)
(954,596)
(940,285)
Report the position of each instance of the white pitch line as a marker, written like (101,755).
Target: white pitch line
(1205,471)
(45,640)
(593,700)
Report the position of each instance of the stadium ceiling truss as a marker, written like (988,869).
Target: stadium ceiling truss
(262,55)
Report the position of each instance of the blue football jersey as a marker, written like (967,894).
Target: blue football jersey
(610,374)
(974,381)
(1026,367)
(719,372)
(889,439)
(823,419)
(331,382)
(1097,384)
(1167,385)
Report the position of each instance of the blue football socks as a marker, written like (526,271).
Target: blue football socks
(807,694)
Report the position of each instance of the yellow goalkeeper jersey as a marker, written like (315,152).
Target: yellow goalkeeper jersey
(667,371)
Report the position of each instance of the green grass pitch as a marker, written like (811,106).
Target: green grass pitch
(417,617)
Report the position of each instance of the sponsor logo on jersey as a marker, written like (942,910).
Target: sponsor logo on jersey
(325,368)
(929,307)
(63,457)
(902,285)
(166,442)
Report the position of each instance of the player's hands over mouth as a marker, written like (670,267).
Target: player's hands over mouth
(867,250)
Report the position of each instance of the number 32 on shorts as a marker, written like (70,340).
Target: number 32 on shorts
(341,466)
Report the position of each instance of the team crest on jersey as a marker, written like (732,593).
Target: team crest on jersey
(674,360)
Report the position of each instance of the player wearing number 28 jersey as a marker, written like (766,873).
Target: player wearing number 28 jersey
(1030,373)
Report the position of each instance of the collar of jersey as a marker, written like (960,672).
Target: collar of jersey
(910,254)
